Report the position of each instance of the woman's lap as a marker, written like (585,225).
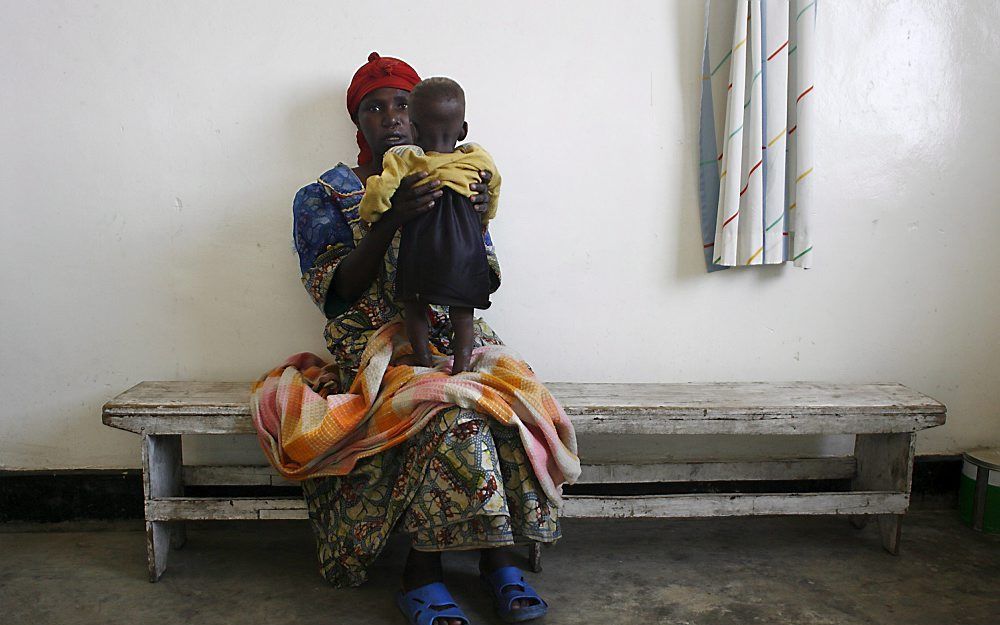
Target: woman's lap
(463,482)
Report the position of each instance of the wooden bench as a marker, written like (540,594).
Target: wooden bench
(884,418)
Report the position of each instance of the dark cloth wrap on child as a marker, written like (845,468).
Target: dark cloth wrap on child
(442,257)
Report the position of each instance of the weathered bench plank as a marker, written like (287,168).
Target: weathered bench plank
(225,508)
(736,504)
(683,408)
(578,506)
(234,475)
(830,468)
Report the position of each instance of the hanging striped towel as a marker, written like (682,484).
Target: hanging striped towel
(755,175)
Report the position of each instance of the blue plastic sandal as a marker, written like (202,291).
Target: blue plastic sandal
(422,605)
(507,584)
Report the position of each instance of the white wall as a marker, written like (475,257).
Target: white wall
(150,151)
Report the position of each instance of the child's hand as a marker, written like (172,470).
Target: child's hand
(481,201)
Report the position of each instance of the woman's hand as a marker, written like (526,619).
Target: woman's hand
(412,201)
(358,269)
(481,201)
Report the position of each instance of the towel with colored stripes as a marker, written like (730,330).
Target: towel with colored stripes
(306,430)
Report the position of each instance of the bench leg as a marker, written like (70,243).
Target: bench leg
(885,462)
(161,477)
(178,535)
(890,526)
(535,557)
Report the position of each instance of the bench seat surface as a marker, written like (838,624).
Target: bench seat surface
(595,408)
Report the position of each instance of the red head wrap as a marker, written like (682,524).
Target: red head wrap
(378,72)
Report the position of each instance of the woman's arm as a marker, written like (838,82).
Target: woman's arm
(358,269)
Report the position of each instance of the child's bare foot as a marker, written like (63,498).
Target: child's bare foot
(410,359)
(417,332)
(422,354)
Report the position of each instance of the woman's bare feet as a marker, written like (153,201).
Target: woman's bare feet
(422,568)
(493,559)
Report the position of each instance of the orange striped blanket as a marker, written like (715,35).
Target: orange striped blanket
(306,431)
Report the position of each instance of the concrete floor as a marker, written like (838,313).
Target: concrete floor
(705,571)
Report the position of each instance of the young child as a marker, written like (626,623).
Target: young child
(442,256)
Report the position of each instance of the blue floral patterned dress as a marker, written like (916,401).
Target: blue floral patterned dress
(463,482)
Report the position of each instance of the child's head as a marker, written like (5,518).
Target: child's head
(437,113)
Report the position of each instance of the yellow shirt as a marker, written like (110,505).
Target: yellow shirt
(456,171)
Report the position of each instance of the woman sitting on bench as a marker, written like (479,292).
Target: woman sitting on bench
(464,481)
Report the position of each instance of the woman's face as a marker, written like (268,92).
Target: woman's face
(384,119)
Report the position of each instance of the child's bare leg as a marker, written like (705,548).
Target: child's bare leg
(461,324)
(417,332)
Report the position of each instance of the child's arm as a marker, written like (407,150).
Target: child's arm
(397,163)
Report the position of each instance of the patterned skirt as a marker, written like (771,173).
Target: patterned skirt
(463,482)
